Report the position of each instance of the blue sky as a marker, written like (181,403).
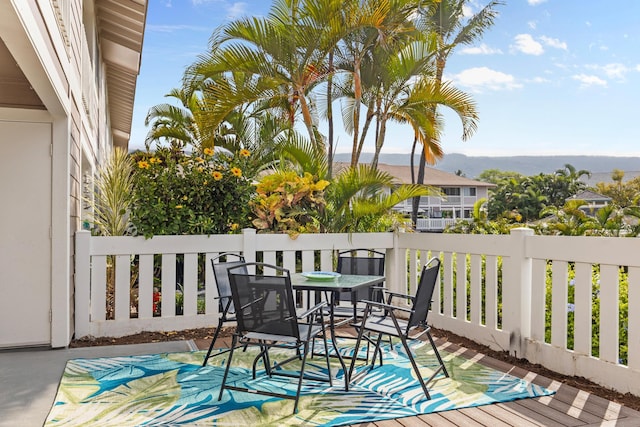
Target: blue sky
(550,77)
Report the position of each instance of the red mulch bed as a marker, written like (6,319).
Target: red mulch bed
(627,399)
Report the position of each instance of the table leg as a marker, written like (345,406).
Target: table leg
(334,341)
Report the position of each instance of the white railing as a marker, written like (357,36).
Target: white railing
(437,224)
(509,292)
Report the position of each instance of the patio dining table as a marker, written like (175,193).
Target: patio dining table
(343,283)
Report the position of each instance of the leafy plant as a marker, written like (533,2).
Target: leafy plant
(112,196)
(361,199)
(290,203)
(201,193)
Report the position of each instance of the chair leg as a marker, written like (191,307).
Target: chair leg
(435,350)
(415,367)
(226,370)
(304,360)
(326,353)
(356,349)
(378,350)
(213,341)
(266,361)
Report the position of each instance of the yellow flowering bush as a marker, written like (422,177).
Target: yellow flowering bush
(288,203)
(202,193)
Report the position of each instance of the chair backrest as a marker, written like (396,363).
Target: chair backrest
(220,269)
(264,301)
(424,294)
(353,262)
(364,262)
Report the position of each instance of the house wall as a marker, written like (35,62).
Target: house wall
(48,40)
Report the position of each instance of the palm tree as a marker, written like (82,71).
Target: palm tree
(362,199)
(180,126)
(372,25)
(446,19)
(283,57)
(359,199)
(569,220)
(609,221)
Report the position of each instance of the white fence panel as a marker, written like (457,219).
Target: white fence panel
(493,289)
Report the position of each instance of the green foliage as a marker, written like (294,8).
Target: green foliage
(190,194)
(623,317)
(480,224)
(496,176)
(113,196)
(623,194)
(361,199)
(524,197)
(287,202)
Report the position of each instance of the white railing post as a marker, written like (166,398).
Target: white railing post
(249,246)
(516,293)
(395,268)
(82,282)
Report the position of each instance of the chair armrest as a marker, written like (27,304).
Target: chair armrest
(399,295)
(312,310)
(251,303)
(386,306)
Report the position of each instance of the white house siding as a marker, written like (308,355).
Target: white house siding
(56,48)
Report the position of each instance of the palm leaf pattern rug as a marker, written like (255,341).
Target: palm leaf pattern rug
(174,389)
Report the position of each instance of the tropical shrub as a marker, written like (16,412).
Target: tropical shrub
(112,196)
(288,203)
(200,193)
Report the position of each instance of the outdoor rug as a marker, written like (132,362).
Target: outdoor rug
(173,389)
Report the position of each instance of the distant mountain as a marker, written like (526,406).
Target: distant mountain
(472,166)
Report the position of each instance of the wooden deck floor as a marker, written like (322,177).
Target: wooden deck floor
(567,407)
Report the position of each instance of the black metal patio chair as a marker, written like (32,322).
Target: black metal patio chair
(364,262)
(390,325)
(221,264)
(266,317)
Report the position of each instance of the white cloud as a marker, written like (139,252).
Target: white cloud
(483,49)
(539,80)
(638,67)
(589,80)
(482,78)
(614,71)
(526,44)
(532,24)
(236,10)
(535,2)
(553,43)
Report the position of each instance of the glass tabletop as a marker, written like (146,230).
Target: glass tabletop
(345,282)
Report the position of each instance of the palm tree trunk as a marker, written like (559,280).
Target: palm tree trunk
(365,130)
(306,116)
(419,180)
(416,200)
(357,90)
(380,135)
(330,117)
